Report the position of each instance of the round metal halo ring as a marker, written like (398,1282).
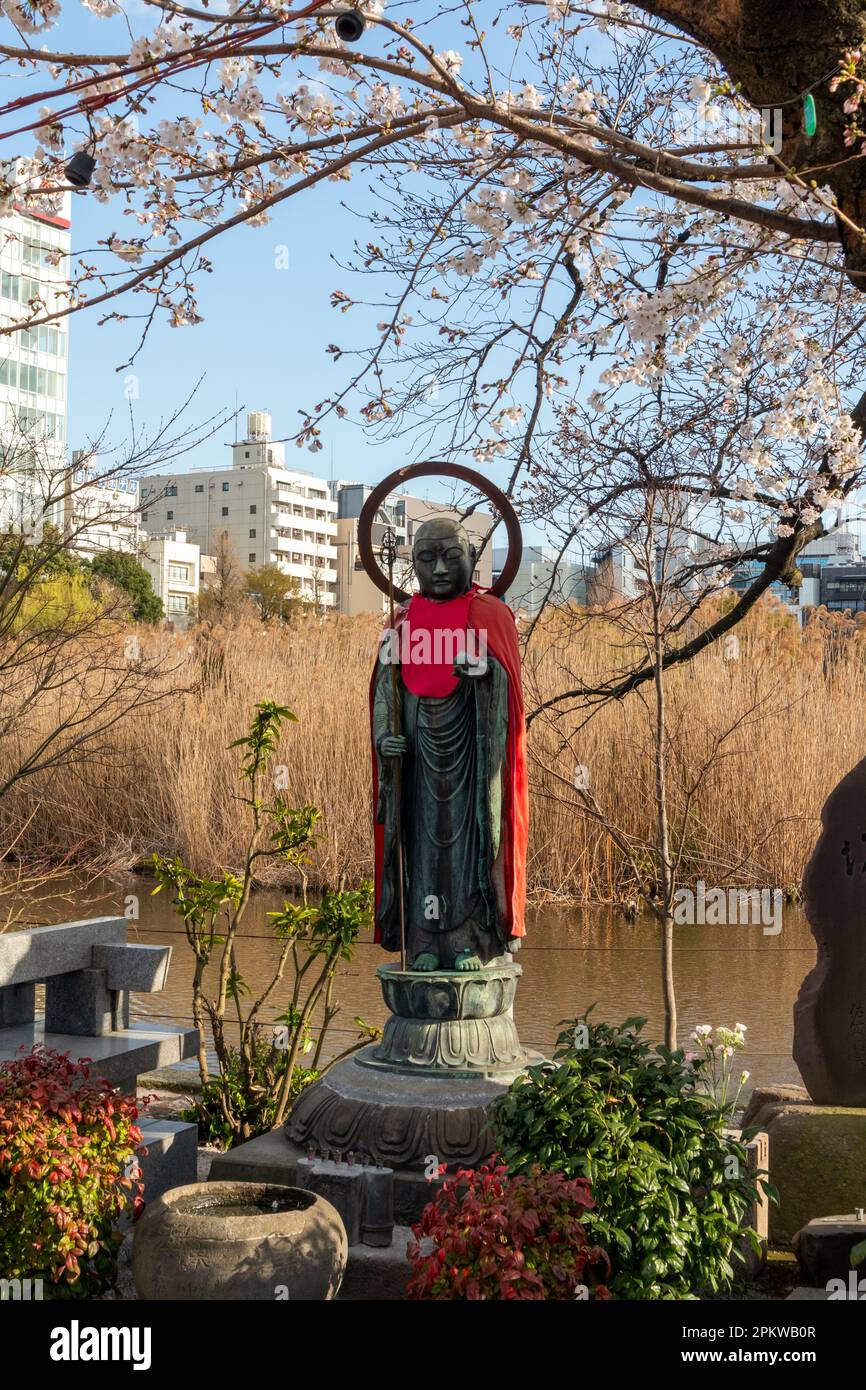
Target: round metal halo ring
(434,469)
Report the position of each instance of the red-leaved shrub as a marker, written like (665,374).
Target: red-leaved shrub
(495,1237)
(66,1142)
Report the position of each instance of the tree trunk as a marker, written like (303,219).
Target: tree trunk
(663,830)
(777,51)
(668,992)
(198,1018)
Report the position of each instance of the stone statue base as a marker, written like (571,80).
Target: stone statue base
(448,1051)
(449,1023)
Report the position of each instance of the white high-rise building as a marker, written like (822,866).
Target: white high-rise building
(34,253)
(270,514)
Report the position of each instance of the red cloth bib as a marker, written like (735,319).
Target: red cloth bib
(432,636)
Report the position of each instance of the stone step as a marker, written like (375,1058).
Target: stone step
(377,1276)
(172,1155)
(183,1079)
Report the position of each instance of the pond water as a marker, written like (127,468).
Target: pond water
(572,958)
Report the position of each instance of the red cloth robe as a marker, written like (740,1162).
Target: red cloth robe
(494,618)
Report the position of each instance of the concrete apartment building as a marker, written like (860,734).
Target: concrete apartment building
(33,364)
(269,513)
(833,576)
(543,577)
(101,512)
(404,514)
(174,565)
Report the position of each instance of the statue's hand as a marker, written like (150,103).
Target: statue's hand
(468,668)
(393,746)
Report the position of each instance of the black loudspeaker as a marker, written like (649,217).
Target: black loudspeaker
(79,170)
(350,26)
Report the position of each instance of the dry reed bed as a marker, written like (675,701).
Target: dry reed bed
(789,726)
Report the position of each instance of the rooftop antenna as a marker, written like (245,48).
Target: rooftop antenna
(236,417)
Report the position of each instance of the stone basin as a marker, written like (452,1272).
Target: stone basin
(231,1240)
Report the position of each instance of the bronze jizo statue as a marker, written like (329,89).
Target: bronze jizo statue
(450,801)
(450,766)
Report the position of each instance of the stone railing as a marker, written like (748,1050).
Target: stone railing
(89,969)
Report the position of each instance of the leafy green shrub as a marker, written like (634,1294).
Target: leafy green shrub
(490,1236)
(670,1186)
(253,1103)
(66,1143)
(312,940)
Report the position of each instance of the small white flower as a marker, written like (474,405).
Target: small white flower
(451,61)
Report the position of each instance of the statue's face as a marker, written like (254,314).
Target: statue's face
(444,559)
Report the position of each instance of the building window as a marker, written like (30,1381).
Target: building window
(252,557)
(253,534)
(225,511)
(199,487)
(253,509)
(178,603)
(180,573)
(225,487)
(144,516)
(246,456)
(169,516)
(171,492)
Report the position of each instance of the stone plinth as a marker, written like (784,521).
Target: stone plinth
(400,1121)
(817,1158)
(378,1276)
(424,1093)
(418,1099)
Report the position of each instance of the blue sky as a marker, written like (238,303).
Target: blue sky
(263,339)
(264,333)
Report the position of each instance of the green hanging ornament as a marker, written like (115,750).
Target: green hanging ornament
(810,115)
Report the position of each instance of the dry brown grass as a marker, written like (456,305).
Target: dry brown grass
(169,783)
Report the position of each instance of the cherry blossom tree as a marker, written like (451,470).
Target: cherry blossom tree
(579,217)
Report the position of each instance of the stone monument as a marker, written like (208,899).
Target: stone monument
(830,1012)
(817,1136)
(451,819)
